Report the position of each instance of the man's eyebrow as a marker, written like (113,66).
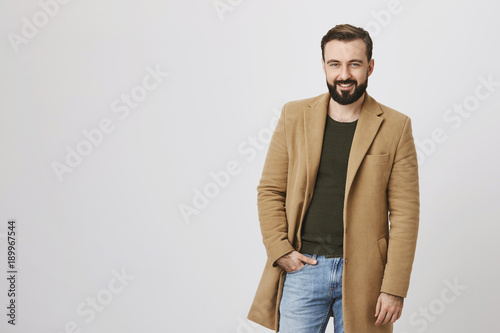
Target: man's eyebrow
(353,60)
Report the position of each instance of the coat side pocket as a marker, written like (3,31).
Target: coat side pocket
(382,246)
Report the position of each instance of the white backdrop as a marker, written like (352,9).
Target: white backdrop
(133,136)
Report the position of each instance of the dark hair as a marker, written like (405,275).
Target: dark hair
(347,32)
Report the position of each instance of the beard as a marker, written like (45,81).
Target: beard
(346,97)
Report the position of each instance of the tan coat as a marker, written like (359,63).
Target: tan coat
(381,185)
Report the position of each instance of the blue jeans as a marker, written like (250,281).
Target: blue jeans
(310,295)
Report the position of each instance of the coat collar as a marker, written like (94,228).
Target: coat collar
(315,115)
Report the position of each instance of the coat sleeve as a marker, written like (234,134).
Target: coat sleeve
(271,195)
(404,208)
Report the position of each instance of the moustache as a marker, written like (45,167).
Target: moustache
(346,82)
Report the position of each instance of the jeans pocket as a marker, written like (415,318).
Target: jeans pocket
(298,270)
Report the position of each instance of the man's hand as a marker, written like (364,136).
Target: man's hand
(389,308)
(293,261)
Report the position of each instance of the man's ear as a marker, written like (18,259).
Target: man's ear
(371,64)
(323,65)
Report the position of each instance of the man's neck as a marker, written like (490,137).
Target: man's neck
(345,113)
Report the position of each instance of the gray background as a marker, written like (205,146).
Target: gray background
(229,72)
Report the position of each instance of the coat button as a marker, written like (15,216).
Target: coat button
(345,261)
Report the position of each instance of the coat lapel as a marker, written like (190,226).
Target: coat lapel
(314,128)
(368,125)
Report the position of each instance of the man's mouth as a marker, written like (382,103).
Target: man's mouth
(346,86)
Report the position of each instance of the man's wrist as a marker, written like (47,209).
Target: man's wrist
(400,298)
(279,250)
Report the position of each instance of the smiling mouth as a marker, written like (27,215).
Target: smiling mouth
(346,86)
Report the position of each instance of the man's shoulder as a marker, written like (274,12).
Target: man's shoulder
(392,114)
(310,101)
(394,121)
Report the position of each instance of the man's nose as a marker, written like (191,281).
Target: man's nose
(344,74)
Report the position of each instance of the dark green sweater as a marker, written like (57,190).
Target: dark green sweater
(323,225)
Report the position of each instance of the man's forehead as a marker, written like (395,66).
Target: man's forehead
(354,48)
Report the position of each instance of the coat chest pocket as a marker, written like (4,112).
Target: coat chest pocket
(376,159)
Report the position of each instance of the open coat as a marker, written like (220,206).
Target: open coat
(381,186)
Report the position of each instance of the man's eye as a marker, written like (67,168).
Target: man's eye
(334,65)
(355,65)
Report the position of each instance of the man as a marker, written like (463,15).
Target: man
(347,251)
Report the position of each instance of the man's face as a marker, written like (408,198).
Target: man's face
(347,69)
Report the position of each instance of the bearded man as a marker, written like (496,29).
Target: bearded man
(338,203)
